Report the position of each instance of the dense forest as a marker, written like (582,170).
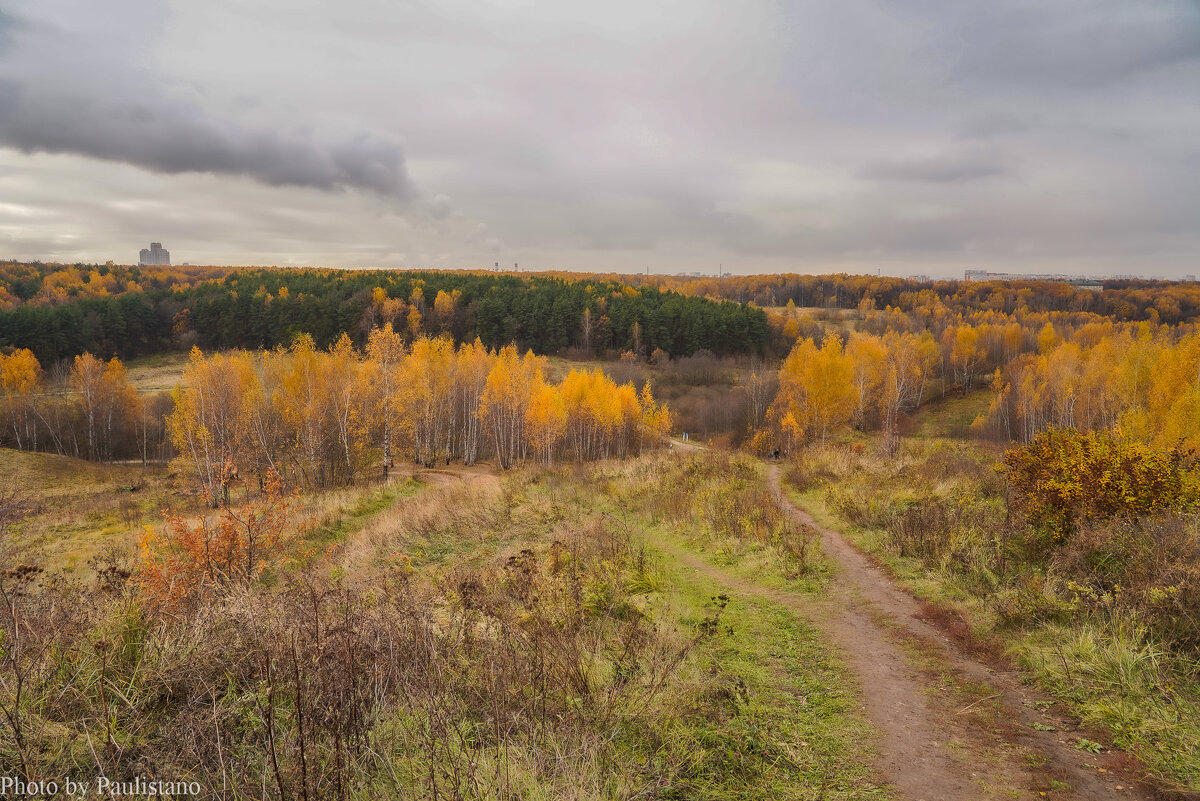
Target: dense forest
(1121,299)
(59,312)
(1051,353)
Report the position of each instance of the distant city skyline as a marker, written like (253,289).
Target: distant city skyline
(1048,138)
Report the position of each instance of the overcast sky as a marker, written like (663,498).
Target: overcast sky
(909,136)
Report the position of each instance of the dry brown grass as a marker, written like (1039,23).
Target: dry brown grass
(468,642)
(160,373)
(77,508)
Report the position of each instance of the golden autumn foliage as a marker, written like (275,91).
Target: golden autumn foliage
(545,419)
(427,398)
(106,398)
(510,383)
(966,353)
(210,425)
(20,378)
(319,418)
(816,391)
(385,350)
(1065,478)
(870,381)
(87,408)
(1143,380)
(444,306)
(606,420)
(471,372)
(302,411)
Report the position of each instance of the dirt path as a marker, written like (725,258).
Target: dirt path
(680,446)
(481,475)
(932,747)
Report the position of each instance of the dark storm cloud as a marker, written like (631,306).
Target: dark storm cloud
(163,136)
(62,91)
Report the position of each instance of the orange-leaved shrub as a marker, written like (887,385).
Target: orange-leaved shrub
(234,547)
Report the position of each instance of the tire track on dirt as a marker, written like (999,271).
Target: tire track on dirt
(912,752)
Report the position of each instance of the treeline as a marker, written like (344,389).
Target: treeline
(1124,299)
(874,376)
(90,412)
(1140,379)
(265,308)
(55,284)
(328,417)
(324,417)
(869,381)
(1129,300)
(1143,380)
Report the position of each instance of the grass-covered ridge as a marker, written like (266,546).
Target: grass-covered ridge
(1104,618)
(467,637)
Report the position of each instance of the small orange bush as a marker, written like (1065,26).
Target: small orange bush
(232,548)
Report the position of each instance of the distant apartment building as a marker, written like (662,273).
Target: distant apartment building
(1073,280)
(155,254)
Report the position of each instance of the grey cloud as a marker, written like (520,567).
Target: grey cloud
(773,134)
(171,138)
(7,24)
(440,207)
(940,170)
(1078,44)
(96,101)
(994,125)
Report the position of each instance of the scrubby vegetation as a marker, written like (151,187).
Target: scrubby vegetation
(743,520)
(1078,554)
(477,640)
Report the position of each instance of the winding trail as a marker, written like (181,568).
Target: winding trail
(931,747)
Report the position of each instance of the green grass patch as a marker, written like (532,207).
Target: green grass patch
(349,515)
(789,726)
(1115,678)
(953,416)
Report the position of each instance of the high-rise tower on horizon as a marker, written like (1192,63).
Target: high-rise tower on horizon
(155,255)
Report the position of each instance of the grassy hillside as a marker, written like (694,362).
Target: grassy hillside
(458,634)
(938,516)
